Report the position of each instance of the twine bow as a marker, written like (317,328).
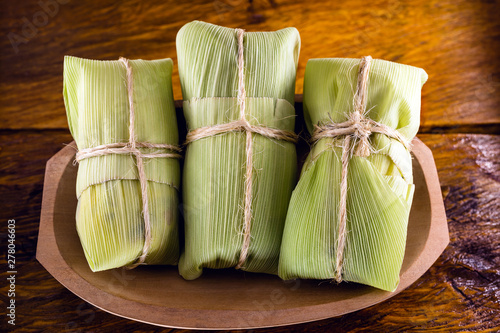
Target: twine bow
(132,148)
(357,129)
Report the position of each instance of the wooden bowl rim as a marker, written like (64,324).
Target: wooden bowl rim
(49,256)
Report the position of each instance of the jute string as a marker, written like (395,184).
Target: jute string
(132,147)
(243,125)
(357,129)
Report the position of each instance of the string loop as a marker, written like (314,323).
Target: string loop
(132,147)
(358,129)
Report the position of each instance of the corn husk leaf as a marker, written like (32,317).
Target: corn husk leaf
(214,168)
(380,187)
(109,216)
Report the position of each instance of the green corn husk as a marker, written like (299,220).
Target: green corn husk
(109,216)
(380,187)
(214,168)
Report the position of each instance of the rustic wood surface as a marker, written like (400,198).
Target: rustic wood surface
(456,42)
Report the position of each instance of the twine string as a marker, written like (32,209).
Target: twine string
(243,125)
(248,150)
(132,147)
(357,129)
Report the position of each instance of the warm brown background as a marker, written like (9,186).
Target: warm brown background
(456,42)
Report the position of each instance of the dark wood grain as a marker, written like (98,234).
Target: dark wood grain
(460,291)
(456,42)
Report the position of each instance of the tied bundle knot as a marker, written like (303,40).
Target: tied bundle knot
(358,129)
(243,125)
(362,131)
(132,148)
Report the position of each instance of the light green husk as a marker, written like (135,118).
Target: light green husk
(214,168)
(379,193)
(109,217)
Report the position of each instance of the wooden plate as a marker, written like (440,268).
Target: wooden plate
(224,299)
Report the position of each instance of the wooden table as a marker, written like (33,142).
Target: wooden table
(456,42)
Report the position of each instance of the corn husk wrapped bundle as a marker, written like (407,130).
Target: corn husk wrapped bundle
(240,163)
(122,117)
(348,215)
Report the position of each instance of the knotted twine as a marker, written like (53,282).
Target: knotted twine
(356,129)
(132,148)
(242,125)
